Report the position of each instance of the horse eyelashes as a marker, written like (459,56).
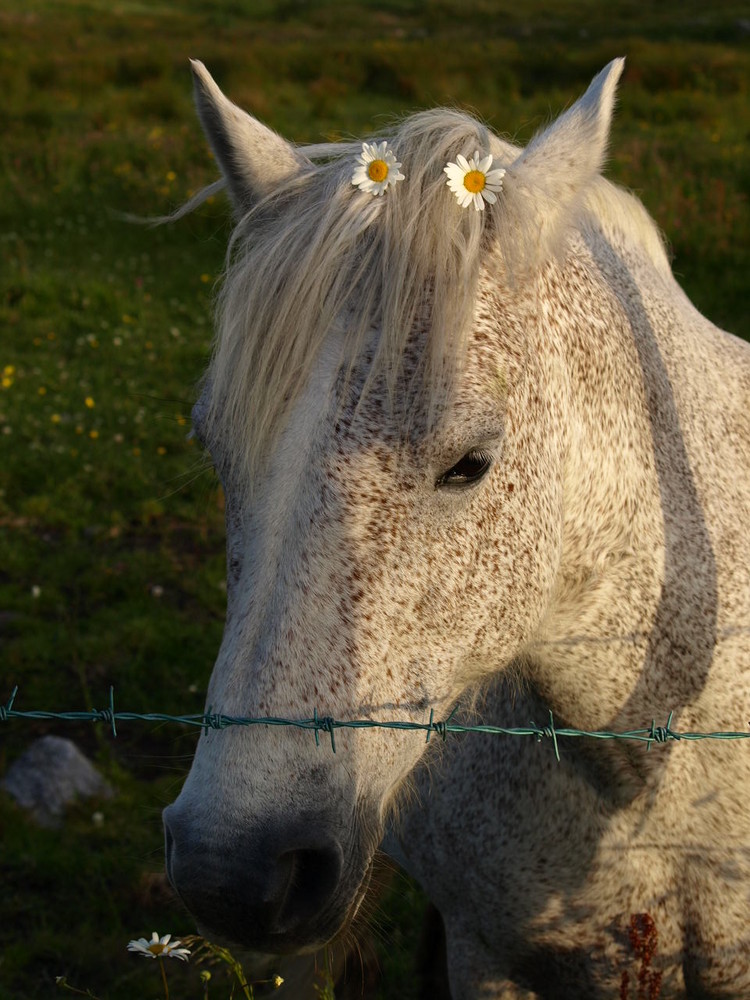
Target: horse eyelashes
(470,469)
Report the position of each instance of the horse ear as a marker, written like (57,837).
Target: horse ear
(252,158)
(559,163)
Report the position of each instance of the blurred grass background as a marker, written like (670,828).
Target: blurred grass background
(112,526)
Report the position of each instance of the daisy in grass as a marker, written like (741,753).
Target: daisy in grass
(377,168)
(473,181)
(159,947)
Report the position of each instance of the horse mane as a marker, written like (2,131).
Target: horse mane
(319,255)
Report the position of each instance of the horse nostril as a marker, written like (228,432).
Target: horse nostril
(306,880)
(273,891)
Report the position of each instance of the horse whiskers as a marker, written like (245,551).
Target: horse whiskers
(188,478)
(348,945)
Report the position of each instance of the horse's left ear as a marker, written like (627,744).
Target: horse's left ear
(559,163)
(252,158)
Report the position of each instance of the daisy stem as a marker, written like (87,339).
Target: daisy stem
(64,985)
(164,979)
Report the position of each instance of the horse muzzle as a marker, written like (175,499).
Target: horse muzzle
(286,888)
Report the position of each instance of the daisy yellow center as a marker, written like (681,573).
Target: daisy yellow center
(474,181)
(377,171)
(156,949)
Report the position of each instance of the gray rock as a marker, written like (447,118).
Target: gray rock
(51,774)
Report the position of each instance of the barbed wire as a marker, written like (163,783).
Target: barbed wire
(325,724)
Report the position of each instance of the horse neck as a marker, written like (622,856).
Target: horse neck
(632,627)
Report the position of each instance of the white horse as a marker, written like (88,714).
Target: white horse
(489,458)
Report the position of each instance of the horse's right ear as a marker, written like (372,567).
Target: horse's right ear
(252,158)
(546,183)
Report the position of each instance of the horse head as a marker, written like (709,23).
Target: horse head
(392,444)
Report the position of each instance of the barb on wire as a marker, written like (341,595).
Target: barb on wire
(325,724)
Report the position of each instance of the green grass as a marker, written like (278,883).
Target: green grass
(112,527)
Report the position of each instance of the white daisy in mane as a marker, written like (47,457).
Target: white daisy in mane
(473,181)
(377,168)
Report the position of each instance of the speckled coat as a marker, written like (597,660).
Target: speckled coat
(537,867)
(565,530)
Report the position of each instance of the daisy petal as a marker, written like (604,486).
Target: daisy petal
(495,176)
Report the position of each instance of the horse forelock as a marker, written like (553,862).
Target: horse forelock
(319,255)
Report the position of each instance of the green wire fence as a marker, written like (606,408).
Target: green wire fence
(325,724)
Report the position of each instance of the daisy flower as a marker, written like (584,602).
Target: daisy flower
(377,168)
(473,181)
(159,947)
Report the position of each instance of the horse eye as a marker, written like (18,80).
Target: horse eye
(471,468)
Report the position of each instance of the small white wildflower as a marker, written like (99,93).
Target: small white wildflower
(377,168)
(473,181)
(36,591)
(159,947)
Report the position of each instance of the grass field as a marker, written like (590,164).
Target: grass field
(112,524)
